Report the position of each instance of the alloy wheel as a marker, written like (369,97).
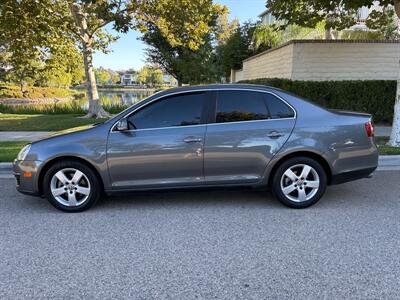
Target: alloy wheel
(300,183)
(70,187)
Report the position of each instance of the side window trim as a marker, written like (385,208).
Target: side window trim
(212,108)
(266,106)
(208,116)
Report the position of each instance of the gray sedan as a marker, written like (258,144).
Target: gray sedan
(201,137)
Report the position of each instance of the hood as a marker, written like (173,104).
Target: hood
(71,130)
(68,132)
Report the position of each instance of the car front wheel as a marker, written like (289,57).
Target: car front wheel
(299,182)
(71,186)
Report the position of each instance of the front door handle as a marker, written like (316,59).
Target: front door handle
(274,134)
(192,139)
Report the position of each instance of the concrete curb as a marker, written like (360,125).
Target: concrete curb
(5,166)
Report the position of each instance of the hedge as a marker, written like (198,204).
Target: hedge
(372,96)
(33,92)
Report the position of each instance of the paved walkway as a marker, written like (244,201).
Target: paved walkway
(383,130)
(29,136)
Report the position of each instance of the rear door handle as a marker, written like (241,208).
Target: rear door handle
(274,134)
(192,139)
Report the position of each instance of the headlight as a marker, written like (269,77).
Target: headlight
(24,152)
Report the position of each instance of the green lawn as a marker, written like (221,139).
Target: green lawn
(14,122)
(9,150)
(384,149)
(387,150)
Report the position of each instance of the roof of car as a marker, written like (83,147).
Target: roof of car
(217,87)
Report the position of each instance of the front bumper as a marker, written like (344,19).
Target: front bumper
(26,175)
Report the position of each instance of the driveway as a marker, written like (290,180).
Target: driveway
(205,245)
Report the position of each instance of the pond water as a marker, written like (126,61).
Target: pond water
(119,98)
(113,100)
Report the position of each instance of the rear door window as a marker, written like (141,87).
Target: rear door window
(237,106)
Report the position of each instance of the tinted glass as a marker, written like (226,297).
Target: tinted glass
(233,106)
(179,110)
(277,108)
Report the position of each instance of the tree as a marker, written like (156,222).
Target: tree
(143,75)
(89,18)
(102,76)
(156,77)
(36,26)
(185,65)
(235,49)
(31,37)
(338,16)
(62,68)
(185,49)
(385,23)
(225,28)
(269,36)
(115,78)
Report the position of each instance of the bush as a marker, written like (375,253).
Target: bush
(372,96)
(71,107)
(33,92)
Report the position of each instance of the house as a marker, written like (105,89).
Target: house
(267,18)
(169,80)
(128,78)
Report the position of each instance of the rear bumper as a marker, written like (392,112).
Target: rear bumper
(352,175)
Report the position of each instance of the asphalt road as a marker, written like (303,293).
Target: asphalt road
(205,245)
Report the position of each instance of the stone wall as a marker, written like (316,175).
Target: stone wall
(322,60)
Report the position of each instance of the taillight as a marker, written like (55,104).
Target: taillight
(370,129)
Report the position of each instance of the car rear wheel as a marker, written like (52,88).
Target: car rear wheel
(299,182)
(71,186)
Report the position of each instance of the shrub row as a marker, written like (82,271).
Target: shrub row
(372,96)
(56,109)
(33,92)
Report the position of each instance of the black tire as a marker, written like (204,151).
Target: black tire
(90,176)
(279,177)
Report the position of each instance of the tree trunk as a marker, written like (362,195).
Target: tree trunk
(95,108)
(395,134)
(329,34)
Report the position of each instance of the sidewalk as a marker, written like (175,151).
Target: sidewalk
(29,136)
(383,130)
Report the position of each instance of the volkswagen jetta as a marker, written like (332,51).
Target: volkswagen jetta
(199,137)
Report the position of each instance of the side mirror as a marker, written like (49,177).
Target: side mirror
(122,125)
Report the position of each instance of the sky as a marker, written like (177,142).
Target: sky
(128,52)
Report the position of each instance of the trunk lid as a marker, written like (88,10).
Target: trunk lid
(350,113)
